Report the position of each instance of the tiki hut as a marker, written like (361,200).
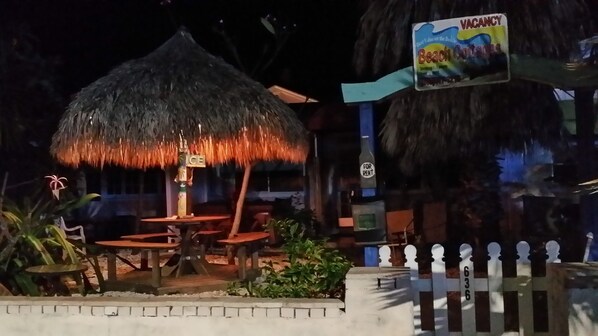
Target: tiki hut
(135,116)
(424,128)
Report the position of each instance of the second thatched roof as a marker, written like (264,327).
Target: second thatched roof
(423,128)
(136,115)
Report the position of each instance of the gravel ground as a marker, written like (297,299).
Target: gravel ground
(121,268)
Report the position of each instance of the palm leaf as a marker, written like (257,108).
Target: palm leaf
(40,248)
(76,203)
(60,238)
(25,282)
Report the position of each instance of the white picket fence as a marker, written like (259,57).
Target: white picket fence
(439,285)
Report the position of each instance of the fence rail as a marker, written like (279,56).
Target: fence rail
(467,285)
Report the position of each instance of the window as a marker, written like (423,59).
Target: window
(121,181)
(274,180)
(114,181)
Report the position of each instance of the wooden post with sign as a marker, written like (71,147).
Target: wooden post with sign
(367,166)
(186,161)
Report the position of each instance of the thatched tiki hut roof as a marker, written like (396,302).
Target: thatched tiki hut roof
(422,128)
(135,115)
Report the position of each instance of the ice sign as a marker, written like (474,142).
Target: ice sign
(367,170)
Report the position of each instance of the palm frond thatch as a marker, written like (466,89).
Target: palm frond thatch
(136,115)
(425,127)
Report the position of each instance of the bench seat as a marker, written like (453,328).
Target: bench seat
(145,236)
(244,243)
(142,245)
(245,238)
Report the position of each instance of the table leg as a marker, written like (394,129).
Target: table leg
(144,264)
(80,282)
(156,273)
(111,258)
(185,246)
(242,259)
(255,256)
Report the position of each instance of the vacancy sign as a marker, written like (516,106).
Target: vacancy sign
(463,51)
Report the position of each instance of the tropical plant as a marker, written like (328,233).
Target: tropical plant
(32,238)
(313,271)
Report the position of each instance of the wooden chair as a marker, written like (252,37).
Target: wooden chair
(400,229)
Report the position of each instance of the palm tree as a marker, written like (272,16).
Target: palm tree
(422,129)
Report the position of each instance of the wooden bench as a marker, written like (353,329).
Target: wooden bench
(146,236)
(246,243)
(154,249)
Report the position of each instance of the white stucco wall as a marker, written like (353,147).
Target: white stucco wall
(375,305)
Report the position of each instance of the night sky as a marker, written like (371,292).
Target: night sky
(90,37)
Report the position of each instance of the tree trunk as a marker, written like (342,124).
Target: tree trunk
(239,209)
(238,214)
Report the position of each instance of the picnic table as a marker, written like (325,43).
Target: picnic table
(187,261)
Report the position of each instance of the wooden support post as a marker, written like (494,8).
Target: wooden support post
(242,260)
(255,256)
(156,273)
(111,260)
(143,264)
(366,128)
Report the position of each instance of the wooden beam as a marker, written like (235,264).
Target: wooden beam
(541,70)
(383,87)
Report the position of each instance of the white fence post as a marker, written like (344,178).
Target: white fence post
(439,291)
(467,284)
(410,255)
(497,304)
(524,290)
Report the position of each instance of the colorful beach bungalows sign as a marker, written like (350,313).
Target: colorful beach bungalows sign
(463,51)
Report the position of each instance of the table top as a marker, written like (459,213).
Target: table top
(186,220)
(136,244)
(56,269)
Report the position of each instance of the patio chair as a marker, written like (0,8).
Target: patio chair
(73,233)
(400,229)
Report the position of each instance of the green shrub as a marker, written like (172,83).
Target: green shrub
(313,271)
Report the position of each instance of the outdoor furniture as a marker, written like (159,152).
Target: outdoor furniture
(249,242)
(187,226)
(55,271)
(73,233)
(147,236)
(203,239)
(154,249)
(399,228)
